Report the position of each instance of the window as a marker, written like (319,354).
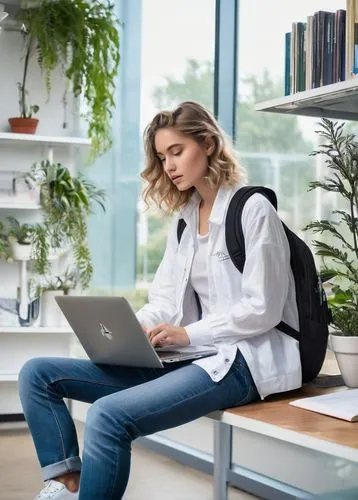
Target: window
(177,65)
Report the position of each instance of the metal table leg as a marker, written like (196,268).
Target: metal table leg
(222,459)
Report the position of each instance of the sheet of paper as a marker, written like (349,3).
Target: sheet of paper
(341,404)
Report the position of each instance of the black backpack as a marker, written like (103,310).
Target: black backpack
(314,315)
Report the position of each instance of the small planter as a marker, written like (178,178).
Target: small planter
(346,352)
(20,251)
(51,314)
(23,125)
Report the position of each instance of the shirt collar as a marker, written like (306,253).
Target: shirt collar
(218,212)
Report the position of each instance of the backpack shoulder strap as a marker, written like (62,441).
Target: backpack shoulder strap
(235,237)
(180,228)
(233,227)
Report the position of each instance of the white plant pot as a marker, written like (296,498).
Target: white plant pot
(21,252)
(51,314)
(74,291)
(346,352)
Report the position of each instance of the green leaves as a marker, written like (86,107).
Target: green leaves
(344,310)
(340,263)
(67,201)
(345,322)
(81,37)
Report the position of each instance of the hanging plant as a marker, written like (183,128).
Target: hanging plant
(81,37)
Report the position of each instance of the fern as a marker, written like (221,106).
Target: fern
(81,37)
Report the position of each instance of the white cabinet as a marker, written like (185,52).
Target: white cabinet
(17,345)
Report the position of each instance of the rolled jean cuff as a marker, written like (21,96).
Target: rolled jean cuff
(72,464)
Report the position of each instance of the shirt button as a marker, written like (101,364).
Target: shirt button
(227,360)
(215,372)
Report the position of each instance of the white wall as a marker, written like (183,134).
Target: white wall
(11,72)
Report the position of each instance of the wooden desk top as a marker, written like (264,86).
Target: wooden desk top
(276,418)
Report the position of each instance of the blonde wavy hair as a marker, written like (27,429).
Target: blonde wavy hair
(194,121)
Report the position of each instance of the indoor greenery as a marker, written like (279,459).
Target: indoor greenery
(26,110)
(21,233)
(341,256)
(25,234)
(82,38)
(66,282)
(5,252)
(67,201)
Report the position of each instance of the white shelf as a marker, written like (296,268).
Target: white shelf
(35,329)
(8,377)
(19,206)
(11,138)
(337,101)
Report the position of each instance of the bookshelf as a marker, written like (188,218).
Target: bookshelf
(321,66)
(337,101)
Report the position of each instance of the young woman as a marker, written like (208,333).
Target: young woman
(191,171)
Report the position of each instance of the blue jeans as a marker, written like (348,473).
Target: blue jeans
(127,403)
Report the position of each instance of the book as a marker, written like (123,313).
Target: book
(300,54)
(350,21)
(288,63)
(309,52)
(341,404)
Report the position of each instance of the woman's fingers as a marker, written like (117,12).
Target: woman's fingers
(154,331)
(161,338)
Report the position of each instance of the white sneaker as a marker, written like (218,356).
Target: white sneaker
(55,490)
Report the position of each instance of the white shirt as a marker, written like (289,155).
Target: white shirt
(199,273)
(244,308)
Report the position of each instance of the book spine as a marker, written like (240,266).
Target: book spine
(334,49)
(309,52)
(288,63)
(300,77)
(342,38)
(355,52)
(350,22)
(293,58)
(314,52)
(330,41)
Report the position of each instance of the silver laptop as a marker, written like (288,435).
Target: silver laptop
(110,333)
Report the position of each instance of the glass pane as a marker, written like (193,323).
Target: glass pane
(175,68)
(275,150)
(275,147)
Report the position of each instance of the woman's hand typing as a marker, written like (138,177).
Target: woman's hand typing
(163,335)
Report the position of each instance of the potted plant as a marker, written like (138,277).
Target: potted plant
(51,314)
(82,38)
(340,255)
(25,123)
(20,239)
(68,281)
(67,201)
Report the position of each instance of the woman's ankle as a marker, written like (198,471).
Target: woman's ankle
(71,480)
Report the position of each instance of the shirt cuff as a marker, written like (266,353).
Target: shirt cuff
(199,333)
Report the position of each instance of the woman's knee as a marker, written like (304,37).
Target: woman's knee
(107,417)
(32,371)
